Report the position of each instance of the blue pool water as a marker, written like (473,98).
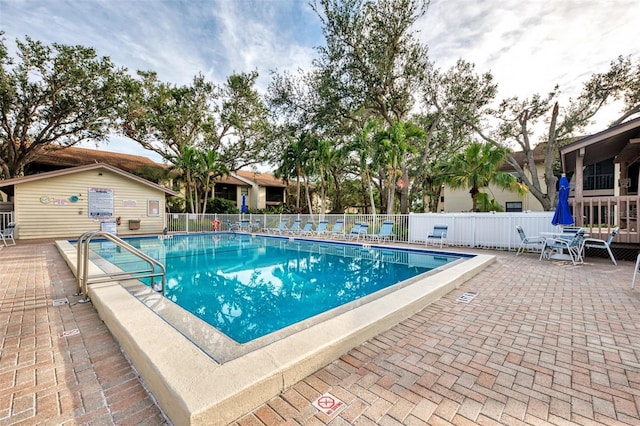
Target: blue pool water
(249,286)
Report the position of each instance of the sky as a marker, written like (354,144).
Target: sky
(528,46)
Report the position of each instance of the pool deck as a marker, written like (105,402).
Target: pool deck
(541,343)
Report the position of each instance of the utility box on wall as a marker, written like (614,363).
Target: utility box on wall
(134,224)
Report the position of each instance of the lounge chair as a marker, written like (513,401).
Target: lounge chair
(439,234)
(295,227)
(385,233)
(525,241)
(321,229)
(336,230)
(354,232)
(595,243)
(307,229)
(573,245)
(244,225)
(282,226)
(7,234)
(364,230)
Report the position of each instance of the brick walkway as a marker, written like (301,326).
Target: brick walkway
(541,343)
(48,379)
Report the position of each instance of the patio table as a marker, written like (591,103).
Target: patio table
(561,255)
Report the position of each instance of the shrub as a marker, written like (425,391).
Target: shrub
(220,205)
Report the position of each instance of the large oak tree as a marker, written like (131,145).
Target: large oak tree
(52,97)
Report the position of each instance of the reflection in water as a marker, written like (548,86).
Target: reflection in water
(248,287)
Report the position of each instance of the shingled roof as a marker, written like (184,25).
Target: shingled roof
(262,179)
(84,168)
(74,156)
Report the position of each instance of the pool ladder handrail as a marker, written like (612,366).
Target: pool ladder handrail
(82,268)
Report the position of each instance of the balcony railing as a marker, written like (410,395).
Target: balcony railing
(601,214)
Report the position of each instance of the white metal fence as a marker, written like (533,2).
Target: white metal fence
(488,230)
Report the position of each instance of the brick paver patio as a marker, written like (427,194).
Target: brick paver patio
(541,343)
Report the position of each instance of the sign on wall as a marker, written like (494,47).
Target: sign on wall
(101,202)
(153,208)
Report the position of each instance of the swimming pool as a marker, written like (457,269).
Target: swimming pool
(200,376)
(249,286)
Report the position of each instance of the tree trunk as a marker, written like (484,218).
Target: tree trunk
(404,191)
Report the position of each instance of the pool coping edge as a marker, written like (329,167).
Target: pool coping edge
(201,391)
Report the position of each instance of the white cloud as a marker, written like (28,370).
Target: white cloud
(528,46)
(532,46)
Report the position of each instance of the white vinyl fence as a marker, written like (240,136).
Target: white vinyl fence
(486,230)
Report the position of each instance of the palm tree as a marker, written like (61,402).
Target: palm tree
(476,167)
(185,163)
(292,164)
(363,146)
(318,164)
(208,166)
(393,144)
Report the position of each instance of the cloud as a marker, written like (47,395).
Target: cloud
(528,46)
(532,46)
(265,36)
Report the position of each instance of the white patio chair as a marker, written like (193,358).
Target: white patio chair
(635,271)
(7,234)
(439,234)
(525,241)
(595,243)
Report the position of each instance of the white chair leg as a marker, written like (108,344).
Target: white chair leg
(635,271)
(613,259)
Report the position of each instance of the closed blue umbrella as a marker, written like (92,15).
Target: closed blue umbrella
(244,204)
(563,215)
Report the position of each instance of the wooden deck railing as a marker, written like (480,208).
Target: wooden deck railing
(601,214)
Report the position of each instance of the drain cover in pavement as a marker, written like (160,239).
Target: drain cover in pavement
(467,297)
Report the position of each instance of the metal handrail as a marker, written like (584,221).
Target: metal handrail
(82,269)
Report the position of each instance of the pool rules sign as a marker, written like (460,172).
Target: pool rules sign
(100,203)
(328,404)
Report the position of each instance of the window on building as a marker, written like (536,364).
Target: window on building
(228,192)
(518,176)
(513,206)
(632,173)
(274,195)
(598,175)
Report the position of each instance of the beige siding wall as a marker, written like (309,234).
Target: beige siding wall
(460,200)
(261,196)
(61,218)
